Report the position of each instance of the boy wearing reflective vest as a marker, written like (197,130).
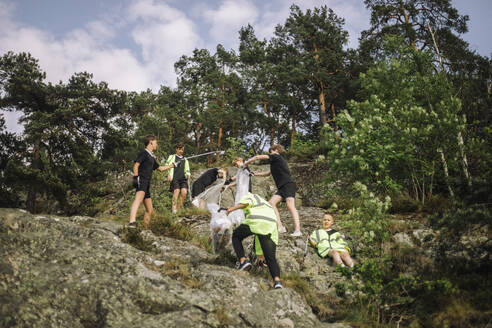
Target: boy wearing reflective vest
(178,176)
(260,221)
(328,241)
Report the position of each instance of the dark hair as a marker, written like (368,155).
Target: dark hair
(278,148)
(148,138)
(179,145)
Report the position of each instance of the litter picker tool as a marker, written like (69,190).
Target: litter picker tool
(217,152)
(305,248)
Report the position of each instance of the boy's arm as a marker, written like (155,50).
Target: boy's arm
(255,158)
(236,207)
(312,242)
(135,169)
(165,167)
(169,161)
(261,174)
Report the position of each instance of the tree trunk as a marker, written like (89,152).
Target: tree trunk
(464,160)
(322,103)
(198,135)
(407,26)
(322,108)
(332,111)
(446,172)
(272,129)
(32,193)
(293,132)
(219,141)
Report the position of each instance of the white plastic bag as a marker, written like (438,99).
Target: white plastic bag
(242,187)
(220,227)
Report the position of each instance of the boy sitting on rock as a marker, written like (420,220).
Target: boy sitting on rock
(328,241)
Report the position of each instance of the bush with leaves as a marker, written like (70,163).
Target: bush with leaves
(367,220)
(397,138)
(382,291)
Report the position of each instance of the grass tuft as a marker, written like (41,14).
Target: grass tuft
(134,237)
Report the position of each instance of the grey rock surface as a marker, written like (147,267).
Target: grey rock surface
(77,272)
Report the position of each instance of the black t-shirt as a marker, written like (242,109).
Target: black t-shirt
(148,163)
(280,170)
(179,170)
(205,180)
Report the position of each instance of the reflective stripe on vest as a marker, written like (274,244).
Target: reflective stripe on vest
(259,202)
(318,238)
(334,241)
(261,217)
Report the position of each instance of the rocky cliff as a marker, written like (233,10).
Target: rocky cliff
(77,272)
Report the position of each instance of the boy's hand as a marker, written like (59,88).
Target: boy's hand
(169,178)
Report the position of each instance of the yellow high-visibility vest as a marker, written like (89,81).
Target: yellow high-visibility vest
(172,159)
(260,216)
(328,240)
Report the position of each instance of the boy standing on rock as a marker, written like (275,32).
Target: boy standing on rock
(178,176)
(286,186)
(142,174)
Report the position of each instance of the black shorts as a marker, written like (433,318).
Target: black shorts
(179,184)
(144,185)
(287,190)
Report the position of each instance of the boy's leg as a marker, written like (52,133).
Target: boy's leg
(291,205)
(148,211)
(274,201)
(347,259)
(182,196)
(238,235)
(175,199)
(269,250)
(139,196)
(336,257)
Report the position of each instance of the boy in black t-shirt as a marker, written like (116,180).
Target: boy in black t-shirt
(205,180)
(285,184)
(142,174)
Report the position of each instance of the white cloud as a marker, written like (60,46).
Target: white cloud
(79,50)
(228,18)
(162,32)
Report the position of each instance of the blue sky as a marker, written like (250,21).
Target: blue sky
(133,44)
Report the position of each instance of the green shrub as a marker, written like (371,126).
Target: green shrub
(368,221)
(436,204)
(304,149)
(133,236)
(164,225)
(403,203)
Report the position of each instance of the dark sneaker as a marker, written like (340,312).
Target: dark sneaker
(278,285)
(132,224)
(244,266)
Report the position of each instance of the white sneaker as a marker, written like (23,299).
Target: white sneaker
(296,233)
(175,211)
(282,229)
